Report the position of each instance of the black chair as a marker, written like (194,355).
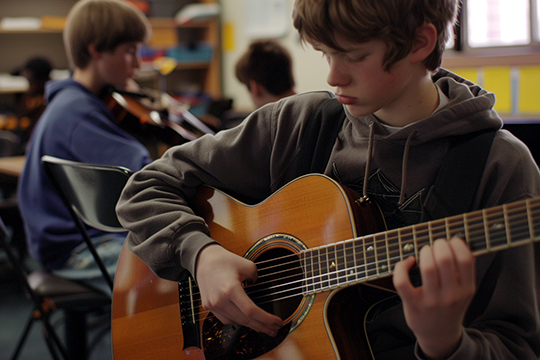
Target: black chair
(50,294)
(90,193)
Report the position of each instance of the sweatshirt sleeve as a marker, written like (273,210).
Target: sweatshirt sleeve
(164,231)
(247,162)
(502,321)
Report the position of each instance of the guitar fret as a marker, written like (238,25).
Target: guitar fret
(331,267)
(389,245)
(496,232)
(349,255)
(475,231)
(420,231)
(307,260)
(369,255)
(517,215)
(323,268)
(437,231)
(447,228)
(466,233)
(512,231)
(534,207)
(530,218)
(342,263)
(486,231)
(360,259)
(421,241)
(380,254)
(316,270)
(397,248)
(455,227)
(339,264)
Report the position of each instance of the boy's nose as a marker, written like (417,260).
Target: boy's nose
(137,61)
(336,75)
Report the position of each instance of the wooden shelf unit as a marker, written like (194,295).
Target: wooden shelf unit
(23,44)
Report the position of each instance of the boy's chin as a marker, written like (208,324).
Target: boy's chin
(358,111)
(126,85)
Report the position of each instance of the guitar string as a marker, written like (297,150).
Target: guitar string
(329,274)
(329,285)
(395,254)
(344,248)
(330,282)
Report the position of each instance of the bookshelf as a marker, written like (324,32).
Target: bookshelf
(18,45)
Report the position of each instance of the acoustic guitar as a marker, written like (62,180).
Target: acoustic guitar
(311,241)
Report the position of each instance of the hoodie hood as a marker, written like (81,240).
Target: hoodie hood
(385,157)
(470,109)
(52,88)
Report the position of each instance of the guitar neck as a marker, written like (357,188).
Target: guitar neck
(374,256)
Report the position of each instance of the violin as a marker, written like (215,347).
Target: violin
(152,115)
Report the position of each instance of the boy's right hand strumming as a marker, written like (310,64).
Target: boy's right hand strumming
(220,275)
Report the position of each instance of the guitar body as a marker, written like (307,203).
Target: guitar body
(159,319)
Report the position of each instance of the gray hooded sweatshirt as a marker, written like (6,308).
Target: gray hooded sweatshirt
(253,160)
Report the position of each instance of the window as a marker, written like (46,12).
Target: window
(496,23)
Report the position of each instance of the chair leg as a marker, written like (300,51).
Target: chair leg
(53,341)
(24,335)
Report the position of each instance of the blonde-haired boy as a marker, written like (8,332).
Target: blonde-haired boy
(102,40)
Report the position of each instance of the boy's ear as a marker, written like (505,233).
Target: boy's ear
(93,52)
(254,88)
(425,42)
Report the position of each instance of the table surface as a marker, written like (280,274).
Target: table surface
(12,165)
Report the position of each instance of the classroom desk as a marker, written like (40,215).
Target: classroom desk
(11,168)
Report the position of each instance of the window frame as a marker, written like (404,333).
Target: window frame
(462,55)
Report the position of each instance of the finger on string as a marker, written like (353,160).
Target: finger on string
(445,262)
(464,261)
(428,269)
(253,316)
(401,279)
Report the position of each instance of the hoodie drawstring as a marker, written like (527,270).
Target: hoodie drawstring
(403,166)
(368,160)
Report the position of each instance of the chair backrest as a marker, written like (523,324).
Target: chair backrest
(91,190)
(90,193)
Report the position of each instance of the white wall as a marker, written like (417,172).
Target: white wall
(309,67)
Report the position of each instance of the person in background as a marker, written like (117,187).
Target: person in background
(401,115)
(37,71)
(102,40)
(266,70)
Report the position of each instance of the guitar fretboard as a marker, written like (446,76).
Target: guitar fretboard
(374,256)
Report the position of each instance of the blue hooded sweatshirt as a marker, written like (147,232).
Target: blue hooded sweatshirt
(78,126)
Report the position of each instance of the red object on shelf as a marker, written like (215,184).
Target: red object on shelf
(142,5)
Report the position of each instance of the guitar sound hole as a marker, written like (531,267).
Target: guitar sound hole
(278,289)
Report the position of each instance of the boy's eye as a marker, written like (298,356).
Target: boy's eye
(356,58)
(132,50)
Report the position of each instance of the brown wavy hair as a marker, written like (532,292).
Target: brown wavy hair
(394,22)
(269,64)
